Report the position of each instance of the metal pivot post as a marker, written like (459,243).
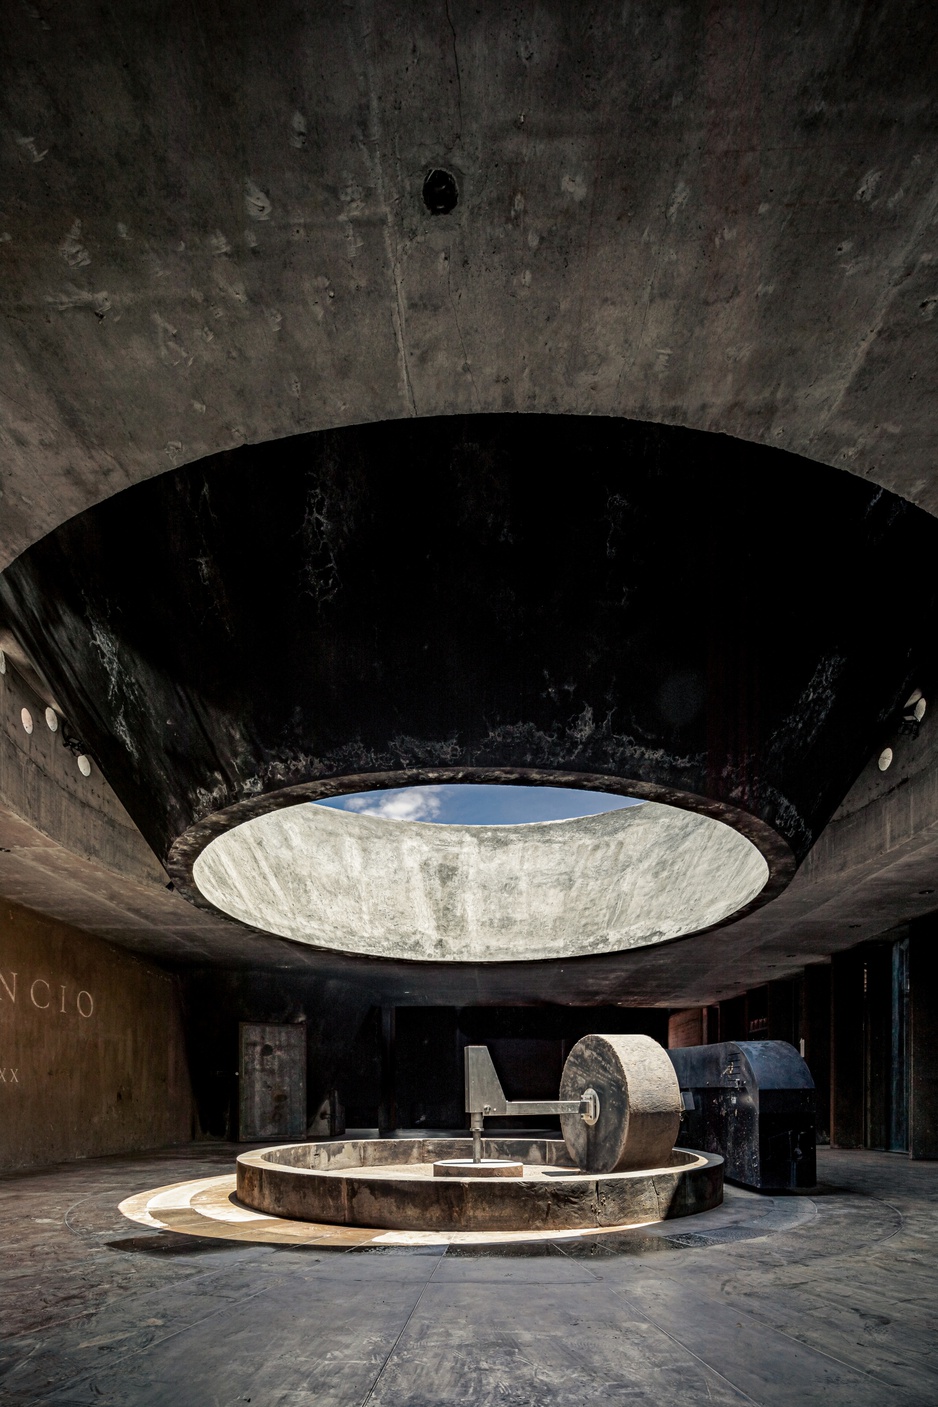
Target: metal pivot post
(485,1096)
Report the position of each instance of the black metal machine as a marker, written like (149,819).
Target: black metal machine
(753,1103)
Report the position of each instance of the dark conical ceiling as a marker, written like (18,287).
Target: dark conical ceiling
(227,227)
(575,600)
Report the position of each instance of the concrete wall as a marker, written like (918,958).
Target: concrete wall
(92,1056)
(46,802)
(686,1028)
(923,1038)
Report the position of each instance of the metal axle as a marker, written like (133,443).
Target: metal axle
(485,1097)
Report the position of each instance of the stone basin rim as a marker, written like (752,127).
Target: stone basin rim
(687,1157)
(345,1194)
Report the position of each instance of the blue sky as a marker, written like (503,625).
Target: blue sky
(474,804)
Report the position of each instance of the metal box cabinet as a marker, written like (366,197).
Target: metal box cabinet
(752,1102)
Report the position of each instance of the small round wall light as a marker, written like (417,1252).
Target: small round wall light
(84,764)
(884,760)
(52,718)
(3,663)
(913,698)
(26,719)
(919,710)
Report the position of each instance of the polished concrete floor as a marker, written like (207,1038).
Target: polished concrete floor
(826,1298)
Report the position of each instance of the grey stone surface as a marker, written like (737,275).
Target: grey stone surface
(823,1299)
(639,1103)
(390,1183)
(480,893)
(485,1167)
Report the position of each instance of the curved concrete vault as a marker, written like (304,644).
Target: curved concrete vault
(716,218)
(680,616)
(214,232)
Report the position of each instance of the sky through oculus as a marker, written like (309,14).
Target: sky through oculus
(479,804)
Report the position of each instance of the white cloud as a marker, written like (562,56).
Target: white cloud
(478,804)
(410,804)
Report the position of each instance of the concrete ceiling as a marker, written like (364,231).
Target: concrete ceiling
(212,233)
(212,228)
(68,849)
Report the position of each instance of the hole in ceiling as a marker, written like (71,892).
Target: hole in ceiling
(439,192)
(478,804)
(599,883)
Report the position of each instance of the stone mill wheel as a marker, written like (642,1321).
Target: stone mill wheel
(639,1103)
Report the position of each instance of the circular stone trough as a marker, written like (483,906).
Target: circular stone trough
(389,1183)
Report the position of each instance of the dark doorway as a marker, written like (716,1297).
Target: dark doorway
(885,1045)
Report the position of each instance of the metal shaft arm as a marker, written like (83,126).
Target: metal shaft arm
(485,1097)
